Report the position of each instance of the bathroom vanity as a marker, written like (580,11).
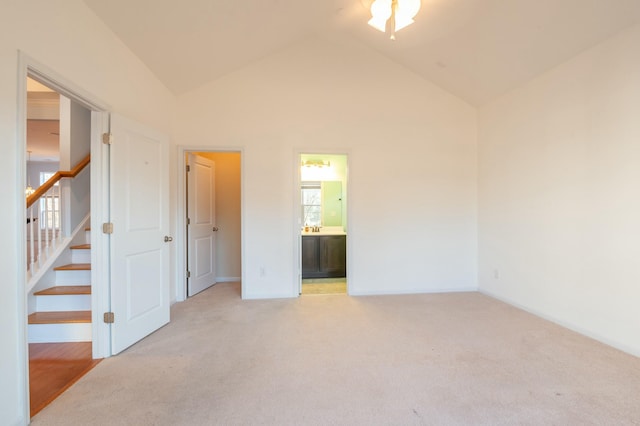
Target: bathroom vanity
(324,254)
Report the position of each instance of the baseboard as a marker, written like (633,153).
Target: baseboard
(61,340)
(227,279)
(565,324)
(391,292)
(266,296)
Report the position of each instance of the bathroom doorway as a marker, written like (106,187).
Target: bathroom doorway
(323,224)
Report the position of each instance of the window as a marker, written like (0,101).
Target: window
(311,204)
(50,204)
(45,176)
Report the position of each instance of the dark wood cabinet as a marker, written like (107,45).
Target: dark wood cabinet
(310,257)
(324,256)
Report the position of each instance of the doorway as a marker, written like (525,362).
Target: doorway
(50,106)
(212,219)
(323,223)
(59,355)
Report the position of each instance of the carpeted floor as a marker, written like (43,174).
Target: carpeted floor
(433,359)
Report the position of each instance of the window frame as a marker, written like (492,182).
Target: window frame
(307,207)
(53,219)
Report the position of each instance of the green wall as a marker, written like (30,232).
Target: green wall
(332,203)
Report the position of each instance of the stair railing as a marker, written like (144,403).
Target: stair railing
(45,218)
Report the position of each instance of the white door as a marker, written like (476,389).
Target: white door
(201,220)
(139,208)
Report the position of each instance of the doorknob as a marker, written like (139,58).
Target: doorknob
(168,239)
(215,228)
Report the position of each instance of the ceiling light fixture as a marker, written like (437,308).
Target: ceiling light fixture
(316,163)
(397,14)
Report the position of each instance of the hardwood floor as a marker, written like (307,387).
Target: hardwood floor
(53,367)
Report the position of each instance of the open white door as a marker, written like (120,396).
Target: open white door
(201,220)
(139,198)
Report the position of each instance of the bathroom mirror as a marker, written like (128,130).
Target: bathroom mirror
(322,203)
(331,203)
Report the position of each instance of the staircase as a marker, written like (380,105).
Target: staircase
(63,310)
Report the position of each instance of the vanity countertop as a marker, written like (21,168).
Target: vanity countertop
(326,230)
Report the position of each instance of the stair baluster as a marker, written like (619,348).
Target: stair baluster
(45,206)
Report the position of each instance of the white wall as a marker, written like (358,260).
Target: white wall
(559,194)
(412,171)
(66,37)
(75,145)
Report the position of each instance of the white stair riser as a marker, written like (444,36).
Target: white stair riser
(81,256)
(67,302)
(73,277)
(58,333)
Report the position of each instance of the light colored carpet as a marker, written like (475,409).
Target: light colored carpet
(440,359)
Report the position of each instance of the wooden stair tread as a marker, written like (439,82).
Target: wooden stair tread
(60,317)
(64,290)
(81,247)
(74,267)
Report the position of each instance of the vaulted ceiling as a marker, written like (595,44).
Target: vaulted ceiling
(475,49)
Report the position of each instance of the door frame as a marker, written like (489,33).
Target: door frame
(181,210)
(297,209)
(29,67)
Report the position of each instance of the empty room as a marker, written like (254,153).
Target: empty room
(466,171)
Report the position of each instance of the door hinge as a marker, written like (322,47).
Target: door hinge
(109,318)
(107,228)
(188,274)
(188,221)
(188,168)
(107,138)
